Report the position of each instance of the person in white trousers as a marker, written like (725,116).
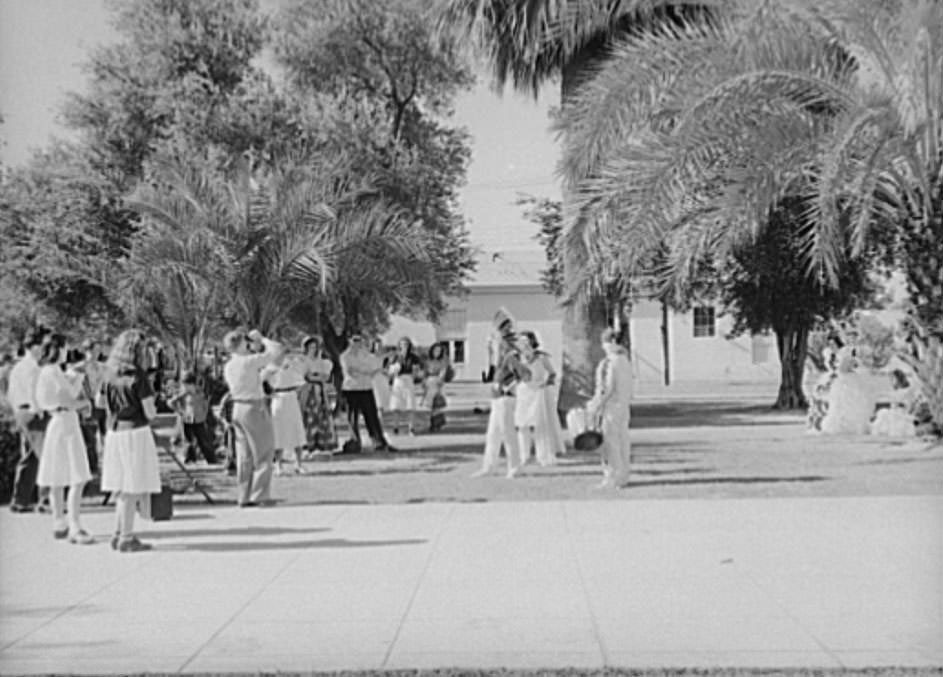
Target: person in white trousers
(611,403)
(501,428)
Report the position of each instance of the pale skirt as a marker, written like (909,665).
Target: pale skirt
(287,424)
(403,397)
(531,411)
(381,391)
(130,464)
(64,460)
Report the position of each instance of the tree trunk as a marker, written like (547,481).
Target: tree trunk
(792,343)
(583,319)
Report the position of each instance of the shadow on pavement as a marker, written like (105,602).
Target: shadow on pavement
(235,531)
(729,480)
(290,545)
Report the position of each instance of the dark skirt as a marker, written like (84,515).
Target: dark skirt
(318,417)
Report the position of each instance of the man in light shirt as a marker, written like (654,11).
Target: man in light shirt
(359,366)
(612,404)
(29,419)
(252,422)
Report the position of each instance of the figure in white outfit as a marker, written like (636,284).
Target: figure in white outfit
(531,415)
(612,404)
(286,376)
(63,461)
(509,372)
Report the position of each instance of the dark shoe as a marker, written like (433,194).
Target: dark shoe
(133,545)
(44,508)
(59,534)
(115,540)
(249,504)
(15,507)
(387,448)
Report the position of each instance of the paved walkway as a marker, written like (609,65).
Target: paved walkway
(823,582)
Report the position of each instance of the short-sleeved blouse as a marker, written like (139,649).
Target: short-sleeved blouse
(125,393)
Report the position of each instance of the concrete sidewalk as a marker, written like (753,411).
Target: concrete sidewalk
(822,582)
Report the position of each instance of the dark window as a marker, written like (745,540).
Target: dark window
(704,321)
(458,352)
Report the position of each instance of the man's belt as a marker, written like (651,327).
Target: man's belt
(285,390)
(254,400)
(25,406)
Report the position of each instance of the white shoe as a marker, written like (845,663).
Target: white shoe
(605,484)
(481,473)
(513,472)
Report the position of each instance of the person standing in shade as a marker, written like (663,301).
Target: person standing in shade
(316,410)
(406,368)
(436,375)
(193,408)
(29,419)
(360,366)
(509,372)
(251,420)
(130,467)
(612,405)
(63,462)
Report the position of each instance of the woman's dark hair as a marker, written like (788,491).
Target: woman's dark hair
(531,339)
(306,344)
(900,379)
(837,339)
(440,346)
(52,346)
(188,377)
(74,356)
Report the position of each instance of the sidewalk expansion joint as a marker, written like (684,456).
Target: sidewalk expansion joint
(415,592)
(597,633)
(253,598)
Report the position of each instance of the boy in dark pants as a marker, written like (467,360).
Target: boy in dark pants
(192,406)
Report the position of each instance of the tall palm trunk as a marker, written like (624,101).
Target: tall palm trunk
(584,318)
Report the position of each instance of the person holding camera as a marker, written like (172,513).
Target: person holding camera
(251,419)
(63,461)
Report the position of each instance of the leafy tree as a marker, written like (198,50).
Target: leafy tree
(535,43)
(384,85)
(57,215)
(178,64)
(696,136)
(766,286)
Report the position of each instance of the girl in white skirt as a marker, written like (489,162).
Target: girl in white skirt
(286,375)
(531,415)
(406,369)
(130,469)
(64,461)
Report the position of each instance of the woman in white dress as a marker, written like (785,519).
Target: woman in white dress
(286,376)
(850,401)
(406,370)
(64,460)
(534,428)
(130,469)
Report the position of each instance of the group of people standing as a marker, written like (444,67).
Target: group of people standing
(523,417)
(51,389)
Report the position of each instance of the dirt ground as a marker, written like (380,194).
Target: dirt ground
(681,450)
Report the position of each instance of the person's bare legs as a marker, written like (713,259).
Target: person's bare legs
(60,527)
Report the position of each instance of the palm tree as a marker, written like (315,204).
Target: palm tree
(692,136)
(531,43)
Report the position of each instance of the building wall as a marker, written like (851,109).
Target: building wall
(469,321)
(698,358)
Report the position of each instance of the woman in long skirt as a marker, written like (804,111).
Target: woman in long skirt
(381,380)
(64,459)
(130,470)
(316,411)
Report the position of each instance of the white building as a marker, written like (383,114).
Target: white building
(693,350)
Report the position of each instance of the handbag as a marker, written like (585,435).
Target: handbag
(587,436)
